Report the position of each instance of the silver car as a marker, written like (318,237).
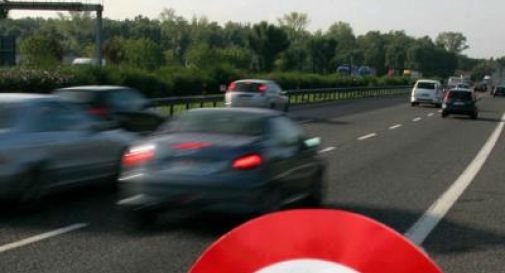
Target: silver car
(46,144)
(256,93)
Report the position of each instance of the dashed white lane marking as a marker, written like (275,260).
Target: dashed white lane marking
(41,237)
(326,150)
(367,136)
(396,126)
(417,119)
(423,227)
(431,114)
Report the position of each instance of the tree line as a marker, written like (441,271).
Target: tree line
(286,46)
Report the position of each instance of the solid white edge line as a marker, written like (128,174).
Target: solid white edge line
(423,227)
(326,150)
(417,119)
(41,237)
(367,136)
(396,126)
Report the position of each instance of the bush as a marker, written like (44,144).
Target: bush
(171,81)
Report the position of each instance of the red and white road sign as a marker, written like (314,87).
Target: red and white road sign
(315,241)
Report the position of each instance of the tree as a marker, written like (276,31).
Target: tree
(482,69)
(453,42)
(143,53)
(114,50)
(267,41)
(322,52)
(295,24)
(41,51)
(372,45)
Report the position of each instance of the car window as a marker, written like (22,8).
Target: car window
(426,85)
(127,100)
(76,96)
(6,115)
(56,116)
(220,123)
(455,95)
(284,131)
(249,87)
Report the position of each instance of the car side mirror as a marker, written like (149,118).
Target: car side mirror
(312,142)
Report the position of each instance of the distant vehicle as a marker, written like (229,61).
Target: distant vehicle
(227,160)
(256,93)
(427,91)
(460,101)
(86,61)
(48,145)
(126,106)
(481,87)
(365,71)
(499,91)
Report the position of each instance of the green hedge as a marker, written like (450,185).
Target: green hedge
(170,81)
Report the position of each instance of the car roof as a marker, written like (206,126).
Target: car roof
(239,110)
(18,97)
(94,88)
(429,81)
(461,90)
(254,80)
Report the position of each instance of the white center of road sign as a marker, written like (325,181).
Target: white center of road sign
(306,266)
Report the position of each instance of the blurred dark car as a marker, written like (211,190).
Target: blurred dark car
(127,106)
(499,91)
(481,87)
(460,101)
(47,144)
(235,160)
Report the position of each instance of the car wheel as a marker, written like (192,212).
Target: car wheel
(474,116)
(142,219)
(438,105)
(315,199)
(34,187)
(413,104)
(444,115)
(286,108)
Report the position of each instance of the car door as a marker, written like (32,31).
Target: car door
(72,152)
(293,166)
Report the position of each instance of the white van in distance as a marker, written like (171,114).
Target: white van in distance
(427,91)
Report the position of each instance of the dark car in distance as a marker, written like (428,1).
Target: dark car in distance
(499,91)
(126,106)
(226,160)
(461,102)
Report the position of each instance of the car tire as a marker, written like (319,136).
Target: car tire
(444,114)
(316,197)
(142,219)
(33,190)
(413,104)
(474,116)
(438,105)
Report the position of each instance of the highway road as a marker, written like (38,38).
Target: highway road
(387,160)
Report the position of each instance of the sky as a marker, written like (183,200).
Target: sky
(480,21)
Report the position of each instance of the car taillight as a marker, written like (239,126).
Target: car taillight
(138,155)
(247,162)
(190,145)
(99,111)
(262,88)
(232,86)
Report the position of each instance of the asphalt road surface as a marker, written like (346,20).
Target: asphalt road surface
(387,160)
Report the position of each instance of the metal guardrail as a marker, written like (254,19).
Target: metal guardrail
(171,105)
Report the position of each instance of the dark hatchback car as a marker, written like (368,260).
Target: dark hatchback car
(499,91)
(235,160)
(126,106)
(48,145)
(460,101)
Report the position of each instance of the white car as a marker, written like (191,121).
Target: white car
(427,91)
(256,93)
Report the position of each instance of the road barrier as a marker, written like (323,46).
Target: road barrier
(172,105)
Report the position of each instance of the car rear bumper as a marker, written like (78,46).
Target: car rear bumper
(425,100)
(208,195)
(460,110)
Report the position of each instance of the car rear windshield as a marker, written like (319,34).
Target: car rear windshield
(6,115)
(455,95)
(77,96)
(249,87)
(426,85)
(219,123)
